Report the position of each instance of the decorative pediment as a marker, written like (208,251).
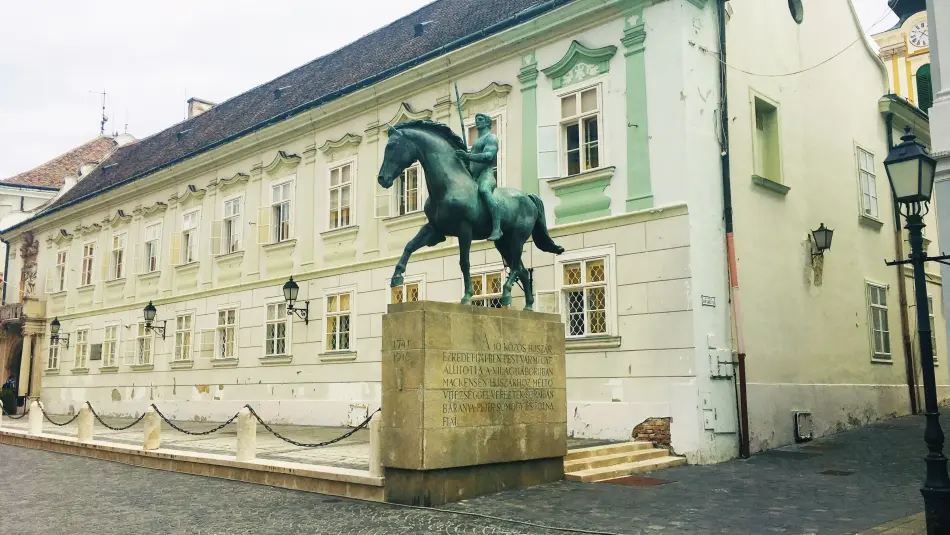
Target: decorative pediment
(282,163)
(578,64)
(492,97)
(234,180)
(86,230)
(347,141)
(191,194)
(60,237)
(118,218)
(405,113)
(149,210)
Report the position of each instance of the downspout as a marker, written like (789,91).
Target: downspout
(740,376)
(6,267)
(909,364)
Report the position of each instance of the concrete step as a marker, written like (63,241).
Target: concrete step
(613,459)
(609,449)
(620,470)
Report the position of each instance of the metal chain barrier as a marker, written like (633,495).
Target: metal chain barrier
(314,445)
(96,415)
(50,420)
(193,433)
(13,417)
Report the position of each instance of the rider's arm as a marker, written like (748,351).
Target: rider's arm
(488,154)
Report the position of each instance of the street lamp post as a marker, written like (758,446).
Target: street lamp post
(910,170)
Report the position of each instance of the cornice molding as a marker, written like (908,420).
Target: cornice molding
(347,141)
(281,163)
(116,219)
(579,63)
(491,97)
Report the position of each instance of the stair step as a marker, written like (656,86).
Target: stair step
(620,470)
(613,459)
(609,449)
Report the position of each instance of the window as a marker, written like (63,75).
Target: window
(153,238)
(584,290)
(281,211)
(472,135)
(110,345)
(486,289)
(877,311)
(227,334)
(82,348)
(143,345)
(580,130)
(275,330)
(406,196)
(341,195)
(868,183)
(189,237)
(232,226)
(767,160)
(117,261)
(52,358)
(183,332)
(59,281)
(88,259)
(338,321)
(405,293)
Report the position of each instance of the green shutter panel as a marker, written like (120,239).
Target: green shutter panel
(925,91)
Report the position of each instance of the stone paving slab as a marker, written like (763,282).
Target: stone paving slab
(912,525)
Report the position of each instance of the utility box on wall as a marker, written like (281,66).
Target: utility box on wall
(804,428)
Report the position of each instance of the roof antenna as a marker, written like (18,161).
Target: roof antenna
(105,118)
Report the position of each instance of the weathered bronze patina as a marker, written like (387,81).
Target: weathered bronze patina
(459,202)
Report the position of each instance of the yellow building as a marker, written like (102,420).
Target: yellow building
(905,50)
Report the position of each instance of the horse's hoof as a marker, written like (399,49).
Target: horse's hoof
(466,300)
(506,300)
(529,308)
(396,281)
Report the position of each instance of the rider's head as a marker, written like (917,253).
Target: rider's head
(482,121)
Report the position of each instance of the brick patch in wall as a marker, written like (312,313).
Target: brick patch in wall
(655,430)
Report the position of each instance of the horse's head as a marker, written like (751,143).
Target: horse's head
(400,153)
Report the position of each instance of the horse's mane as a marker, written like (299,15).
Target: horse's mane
(439,129)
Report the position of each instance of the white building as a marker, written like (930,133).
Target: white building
(611,111)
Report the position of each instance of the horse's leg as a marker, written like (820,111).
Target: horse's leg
(427,235)
(465,244)
(506,247)
(528,289)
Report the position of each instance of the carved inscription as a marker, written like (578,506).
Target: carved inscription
(503,378)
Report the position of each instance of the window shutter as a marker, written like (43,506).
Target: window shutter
(263,225)
(104,265)
(50,279)
(204,349)
(383,200)
(547,152)
(216,232)
(925,91)
(174,249)
(138,261)
(128,349)
(548,302)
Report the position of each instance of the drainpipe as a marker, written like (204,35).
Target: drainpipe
(742,399)
(6,267)
(909,363)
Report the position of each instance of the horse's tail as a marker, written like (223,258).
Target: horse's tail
(539,233)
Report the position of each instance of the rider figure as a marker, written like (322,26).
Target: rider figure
(483,158)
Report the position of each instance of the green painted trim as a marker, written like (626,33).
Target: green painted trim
(582,201)
(639,188)
(578,64)
(770,185)
(528,76)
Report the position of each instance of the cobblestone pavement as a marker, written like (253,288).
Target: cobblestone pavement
(846,484)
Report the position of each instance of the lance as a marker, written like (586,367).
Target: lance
(458,102)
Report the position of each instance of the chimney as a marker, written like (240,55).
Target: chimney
(196,106)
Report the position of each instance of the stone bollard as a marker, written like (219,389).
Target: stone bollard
(84,424)
(375,446)
(246,436)
(36,419)
(153,429)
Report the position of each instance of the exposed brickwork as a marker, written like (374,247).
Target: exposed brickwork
(655,430)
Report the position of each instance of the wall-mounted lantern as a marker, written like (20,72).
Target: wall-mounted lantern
(822,240)
(150,313)
(291,289)
(55,336)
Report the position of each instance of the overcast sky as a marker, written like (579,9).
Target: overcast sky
(55,56)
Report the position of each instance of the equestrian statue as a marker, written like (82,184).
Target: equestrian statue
(463,200)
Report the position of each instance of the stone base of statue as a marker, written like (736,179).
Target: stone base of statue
(473,401)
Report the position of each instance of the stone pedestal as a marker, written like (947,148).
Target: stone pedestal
(84,424)
(246,436)
(152,424)
(473,401)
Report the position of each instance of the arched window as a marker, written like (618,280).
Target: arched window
(925,91)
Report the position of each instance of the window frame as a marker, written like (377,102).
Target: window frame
(415,280)
(562,151)
(758,164)
(351,321)
(118,259)
(871,178)
(190,237)
(153,245)
(229,223)
(285,319)
(608,253)
(354,169)
(877,356)
(62,270)
(144,349)
(186,354)
(88,267)
(482,273)
(500,115)
(276,216)
(220,328)
(81,353)
(52,361)
(110,357)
